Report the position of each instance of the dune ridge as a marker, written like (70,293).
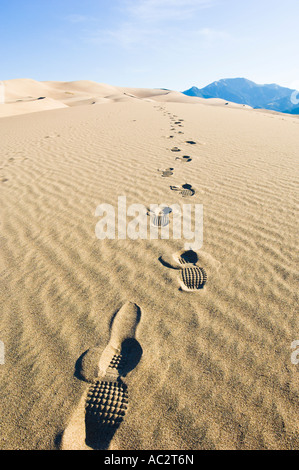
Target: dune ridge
(24,96)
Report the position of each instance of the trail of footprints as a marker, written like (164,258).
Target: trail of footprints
(192,278)
(184,190)
(107,398)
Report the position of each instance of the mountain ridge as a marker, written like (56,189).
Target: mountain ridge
(243,91)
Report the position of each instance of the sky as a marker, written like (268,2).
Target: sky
(172,44)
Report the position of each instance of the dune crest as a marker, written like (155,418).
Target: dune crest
(24,96)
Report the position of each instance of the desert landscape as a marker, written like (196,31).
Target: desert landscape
(125,344)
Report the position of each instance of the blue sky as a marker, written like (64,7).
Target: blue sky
(150,43)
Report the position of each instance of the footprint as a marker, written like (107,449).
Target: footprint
(192,279)
(167,172)
(160,217)
(182,258)
(185,190)
(192,276)
(175,149)
(104,405)
(186,257)
(184,159)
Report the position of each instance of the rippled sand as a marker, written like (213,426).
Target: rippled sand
(215,371)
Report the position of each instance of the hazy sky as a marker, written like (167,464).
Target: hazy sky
(150,43)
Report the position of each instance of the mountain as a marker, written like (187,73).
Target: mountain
(243,91)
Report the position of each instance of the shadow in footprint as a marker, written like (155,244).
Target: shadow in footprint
(191,142)
(188,257)
(166,263)
(179,259)
(185,190)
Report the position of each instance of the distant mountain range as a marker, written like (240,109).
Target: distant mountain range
(243,91)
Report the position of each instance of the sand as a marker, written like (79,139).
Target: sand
(214,368)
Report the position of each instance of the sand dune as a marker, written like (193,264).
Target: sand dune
(215,327)
(24,89)
(23,96)
(30,106)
